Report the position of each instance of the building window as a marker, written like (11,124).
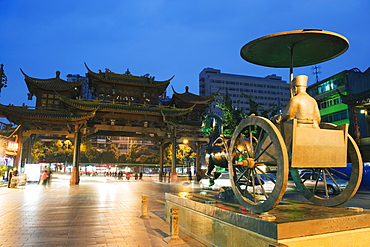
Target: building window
(327,86)
(50,101)
(330,102)
(336,116)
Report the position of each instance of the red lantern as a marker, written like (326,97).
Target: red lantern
(357,134)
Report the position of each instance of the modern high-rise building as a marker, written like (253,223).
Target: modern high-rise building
(263,90)
(85,90)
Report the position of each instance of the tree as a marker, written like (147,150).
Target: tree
(38,152)
(59,151)
(111,155)
(3,170)
(182,152)
(232,114)
(253,105)
(271,111)
(88,153)
(141,154)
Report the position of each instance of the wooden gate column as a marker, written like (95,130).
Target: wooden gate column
(29,150)
(18,157)
(161,145)
(173,168)
(75,174)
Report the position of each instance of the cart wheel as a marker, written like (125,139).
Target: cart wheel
(256,148)
(344,181)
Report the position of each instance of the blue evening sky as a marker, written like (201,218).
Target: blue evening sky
(164,37)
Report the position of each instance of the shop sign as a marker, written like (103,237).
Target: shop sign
(12,146)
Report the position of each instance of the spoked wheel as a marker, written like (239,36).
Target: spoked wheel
(256,148)
(331,186)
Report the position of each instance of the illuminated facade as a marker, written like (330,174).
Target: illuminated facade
(333,96)
(264,90)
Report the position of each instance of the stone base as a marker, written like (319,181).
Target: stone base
(171,240)
(214,222)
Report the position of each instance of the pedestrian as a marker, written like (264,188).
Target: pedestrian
(190,177)
(136,176)
(48,180)
(141,176)
(10,175)
(44,178)
(15,172)
(128,175)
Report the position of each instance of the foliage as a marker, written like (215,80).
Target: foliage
(38,152)
(3,170)
(253,105)
(141,154)
(182,152)
(111,155)
(271,111)
(62,152)
(88,153)
(232,114)
(59,151)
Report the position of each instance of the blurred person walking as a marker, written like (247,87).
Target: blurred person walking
(44,178)
(10,175)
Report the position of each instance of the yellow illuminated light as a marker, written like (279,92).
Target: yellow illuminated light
(362,111)
(185,141)
(183,194)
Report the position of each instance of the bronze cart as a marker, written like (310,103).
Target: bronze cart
(260,147)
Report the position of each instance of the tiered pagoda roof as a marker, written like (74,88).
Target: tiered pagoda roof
(52,84)
(356,99)
(18,115)
(184,99)
(128,79)
(125,108)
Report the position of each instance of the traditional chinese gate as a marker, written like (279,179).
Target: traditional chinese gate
(119,105)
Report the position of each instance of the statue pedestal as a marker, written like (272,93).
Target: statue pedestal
(219,223)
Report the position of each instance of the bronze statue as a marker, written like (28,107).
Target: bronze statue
(215,151)
(301,106)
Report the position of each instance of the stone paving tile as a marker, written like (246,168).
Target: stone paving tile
(89,214)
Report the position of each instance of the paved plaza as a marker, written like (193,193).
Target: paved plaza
(98,212)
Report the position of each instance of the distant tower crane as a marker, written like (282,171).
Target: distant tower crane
(3,78)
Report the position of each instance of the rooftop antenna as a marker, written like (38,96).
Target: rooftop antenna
(316,71)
